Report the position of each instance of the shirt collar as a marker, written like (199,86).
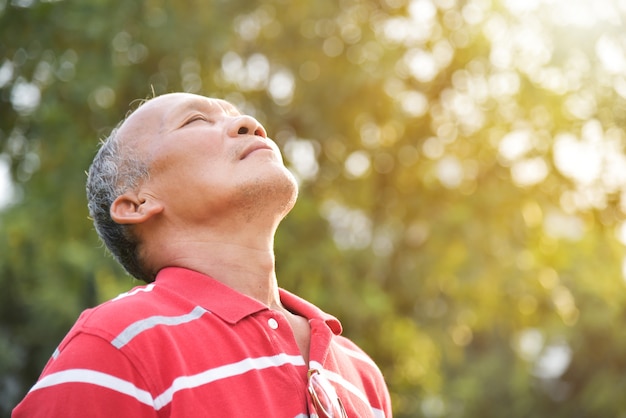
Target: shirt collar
(309,311)
(227,303)
(205,291)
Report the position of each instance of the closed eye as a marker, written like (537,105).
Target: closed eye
(195,118)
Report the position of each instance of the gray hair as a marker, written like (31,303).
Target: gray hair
(115,170)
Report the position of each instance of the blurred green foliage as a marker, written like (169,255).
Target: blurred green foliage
(462,176)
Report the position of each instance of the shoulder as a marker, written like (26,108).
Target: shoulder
(112,317)
(100,339)
(121,310)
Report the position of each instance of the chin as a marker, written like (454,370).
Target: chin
(289,193)
(273,195)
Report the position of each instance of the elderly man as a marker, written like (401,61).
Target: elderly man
(187,194)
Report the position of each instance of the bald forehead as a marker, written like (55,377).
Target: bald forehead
(181,102)
(153,115)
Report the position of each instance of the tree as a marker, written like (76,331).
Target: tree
(462,177)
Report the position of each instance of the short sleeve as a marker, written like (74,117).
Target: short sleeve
(88,377)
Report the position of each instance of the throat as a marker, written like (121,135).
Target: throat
(301,333)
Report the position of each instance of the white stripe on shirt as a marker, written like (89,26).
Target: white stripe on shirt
(142,325)
(147,288)
(222,372)
(96,378)
(357,355)
(181,383)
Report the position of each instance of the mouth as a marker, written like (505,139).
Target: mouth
(256,146)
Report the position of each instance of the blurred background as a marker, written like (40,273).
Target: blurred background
(462,171)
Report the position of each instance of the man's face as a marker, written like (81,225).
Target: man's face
(204,157)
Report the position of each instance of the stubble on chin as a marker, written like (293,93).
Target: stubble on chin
(268,198)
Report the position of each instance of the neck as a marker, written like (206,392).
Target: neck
(245,263)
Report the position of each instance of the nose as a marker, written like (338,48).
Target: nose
(246,125)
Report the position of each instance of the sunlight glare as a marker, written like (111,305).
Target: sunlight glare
(450,172)
(521,6)
(515,144)
(413,103)
(422,65)
(6,186)
(553,361)
(620,233)
(582,13)
(357,164)
(611,55)
(6,72)
(352,229)
(25,97)
(303,156)
(422,11)
(529,172)
(576,159)
(528,344)
(281,87)
(560,225)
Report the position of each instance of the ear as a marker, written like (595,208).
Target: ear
(129,208)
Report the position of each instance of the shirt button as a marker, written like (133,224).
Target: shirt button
(273,324)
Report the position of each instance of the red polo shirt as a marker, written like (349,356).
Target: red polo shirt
(188,346)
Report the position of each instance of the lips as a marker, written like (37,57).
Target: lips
(255,146)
